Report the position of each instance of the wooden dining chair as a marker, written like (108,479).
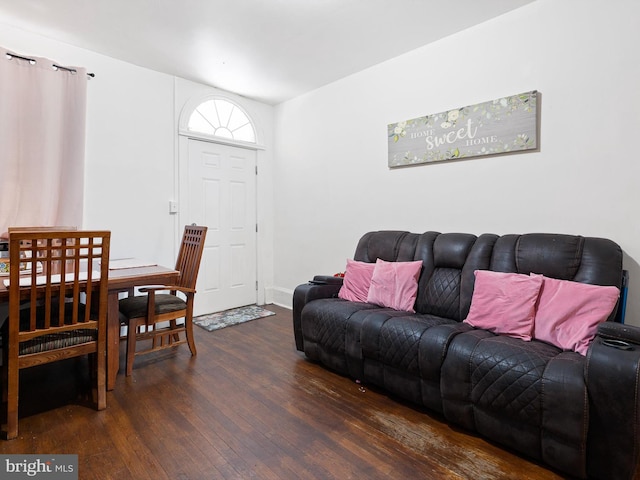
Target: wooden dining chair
(142,313)
(57,308)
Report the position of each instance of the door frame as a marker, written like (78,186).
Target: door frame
(180,178)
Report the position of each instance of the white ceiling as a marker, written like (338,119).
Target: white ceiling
(269,50)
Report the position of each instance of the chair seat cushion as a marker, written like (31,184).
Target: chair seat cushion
(54,341)
(136,306)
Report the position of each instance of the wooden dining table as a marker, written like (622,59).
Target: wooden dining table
(120,280)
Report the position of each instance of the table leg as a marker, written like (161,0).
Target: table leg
(113,339)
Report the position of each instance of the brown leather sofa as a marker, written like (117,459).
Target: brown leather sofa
(578,414)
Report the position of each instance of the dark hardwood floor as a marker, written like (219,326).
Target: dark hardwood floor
(248,406)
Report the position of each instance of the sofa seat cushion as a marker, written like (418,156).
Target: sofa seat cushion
(325,325)
(394,346)
(324,321)
(506,376)
(527,395)
(395,339)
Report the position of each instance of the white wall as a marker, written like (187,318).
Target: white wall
(333,183)
(132,151)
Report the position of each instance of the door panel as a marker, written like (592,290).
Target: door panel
(221,194)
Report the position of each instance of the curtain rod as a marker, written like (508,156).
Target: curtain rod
(32,61)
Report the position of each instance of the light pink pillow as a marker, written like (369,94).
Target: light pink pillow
(395,284)
(504,303)
(357,278)
(568,313)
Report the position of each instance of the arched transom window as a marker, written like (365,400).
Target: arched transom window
(221,118)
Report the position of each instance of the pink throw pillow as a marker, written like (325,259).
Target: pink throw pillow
(395,284)
(357,278)
(569,312)
(504,303)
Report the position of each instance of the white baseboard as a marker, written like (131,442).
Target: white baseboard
(283,297)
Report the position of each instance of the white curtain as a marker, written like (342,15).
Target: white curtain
(42,142)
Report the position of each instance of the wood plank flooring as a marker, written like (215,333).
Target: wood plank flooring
(249,406)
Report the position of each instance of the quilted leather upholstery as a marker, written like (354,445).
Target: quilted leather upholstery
(399,342)
(442,293)
(506,376)
(396,342)
(527,395)
(324,327)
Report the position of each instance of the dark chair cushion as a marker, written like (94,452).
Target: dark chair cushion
(53,341)
(136,306)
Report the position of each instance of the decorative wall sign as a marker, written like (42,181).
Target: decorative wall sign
(505,125)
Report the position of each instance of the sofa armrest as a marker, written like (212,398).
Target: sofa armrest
(613,383)
(326,280)
(618,335)
(322,286)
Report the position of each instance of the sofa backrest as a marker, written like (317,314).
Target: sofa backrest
(449,260)
(446,281)
(388,245)
(597,261)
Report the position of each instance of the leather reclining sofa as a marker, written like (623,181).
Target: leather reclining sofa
(578,414)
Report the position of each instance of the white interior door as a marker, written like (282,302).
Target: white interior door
(221,194)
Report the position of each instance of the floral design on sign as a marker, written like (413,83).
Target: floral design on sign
(504,125)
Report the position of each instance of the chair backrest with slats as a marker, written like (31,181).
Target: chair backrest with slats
(59,277)
(190,254)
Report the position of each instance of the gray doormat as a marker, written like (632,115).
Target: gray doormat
(216,321)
